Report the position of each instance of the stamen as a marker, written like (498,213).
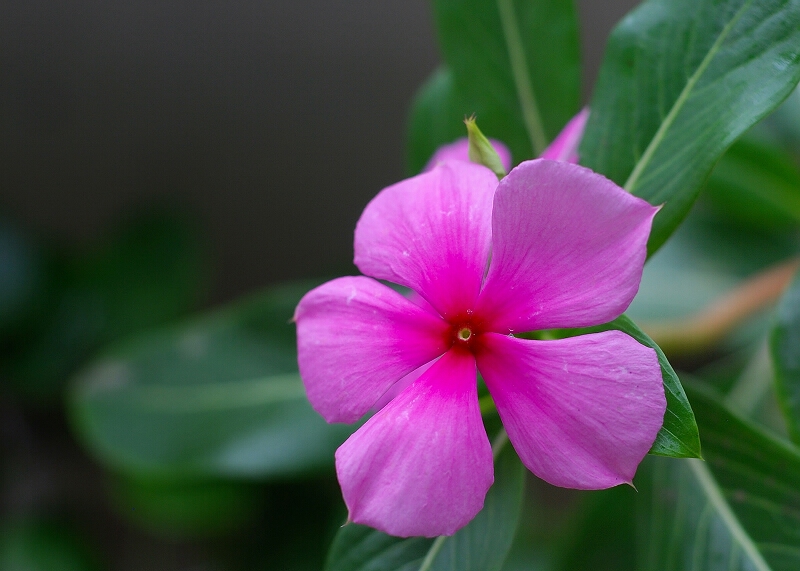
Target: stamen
(464,334)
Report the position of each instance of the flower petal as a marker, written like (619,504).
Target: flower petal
(401,385)
(569,248)
(581,412)
(431,233)
(423,464)
(565,146)
(355,339)
(459,151)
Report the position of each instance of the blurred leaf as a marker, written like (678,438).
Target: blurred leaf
(785,347)
(480,546)
(757,184)
(681,80)
(217,396)
(514,64)
(604,534)
(148,275)
(180,509)
(40,546)
(783,125)
(738,510)
(678,436)
(436,117)
(706,257)
(21,276)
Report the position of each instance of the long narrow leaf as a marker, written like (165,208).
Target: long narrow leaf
(739,510)
(681,80)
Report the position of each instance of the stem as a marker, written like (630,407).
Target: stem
(436,546)
(499,442)
(522,81)
(702,330)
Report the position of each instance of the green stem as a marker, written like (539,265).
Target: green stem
(499,442)
(436,546)
(522,81)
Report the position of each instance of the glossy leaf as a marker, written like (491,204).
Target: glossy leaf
(785,347)
(678,436)
(736,511)
(681,80)
(218,396)
(480,546)
(514,64)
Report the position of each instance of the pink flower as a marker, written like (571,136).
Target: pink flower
(564,247)
(565,146)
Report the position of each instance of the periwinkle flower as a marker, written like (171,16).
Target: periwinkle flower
(552,245)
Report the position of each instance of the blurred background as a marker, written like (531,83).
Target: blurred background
(272,123)
(200,150)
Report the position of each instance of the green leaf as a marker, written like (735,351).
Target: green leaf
(437,117)
(681,80)
(678,436)
(217,396)
(737,511)
(148,274)
(706,257)
(604,529)
(185,509)
(514,64)
(43,546)
(756,184)
(480,546)
(785,347)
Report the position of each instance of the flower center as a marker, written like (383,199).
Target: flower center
(465,332)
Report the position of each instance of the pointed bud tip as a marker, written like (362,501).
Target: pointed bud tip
(481,150)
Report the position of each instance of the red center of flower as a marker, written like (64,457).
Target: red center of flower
(464,332)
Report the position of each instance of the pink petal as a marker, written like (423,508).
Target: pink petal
(565,146)
(423,464)
(417,299)
(401,385)
(431,233)
(581,412)
(355,339)
(459,151)
(569,248)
